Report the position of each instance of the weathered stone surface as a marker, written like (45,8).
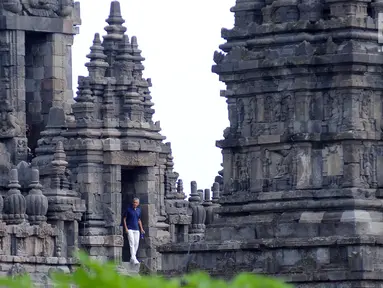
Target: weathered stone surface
(134,159)
(80,162)
(301,174)
(299,195)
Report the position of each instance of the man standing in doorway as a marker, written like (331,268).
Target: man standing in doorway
(133,227)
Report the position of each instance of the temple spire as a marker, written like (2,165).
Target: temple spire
(137,58)
(97,65)
(124,60)
(115,29)
(115,17)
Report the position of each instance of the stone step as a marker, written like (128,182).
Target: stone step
(129,269)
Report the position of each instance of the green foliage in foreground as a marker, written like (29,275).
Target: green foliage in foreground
(94,274)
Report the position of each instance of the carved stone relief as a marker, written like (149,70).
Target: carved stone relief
(249,116)
(256,172)
(304,171)
(233,118)
(258,129)
(366,111)
(9,124)
(281,12)
(333,110)
(266,163)
(241,172)
(379,165)
(21,149)
(16,270)
(240,112)
(39,8)
(286,108)
(226,261)
(368,167)
(332,164)
(273,109)
(334,103)
(283,161)
(285,14)
(311,10)
(316,107)
(5,165)
(278,168)
(268,109)
(333,160)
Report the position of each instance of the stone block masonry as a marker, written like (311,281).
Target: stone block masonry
(301,158)
(88,156)
(69,167)
(299,196)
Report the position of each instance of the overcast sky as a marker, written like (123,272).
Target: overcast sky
(178,39)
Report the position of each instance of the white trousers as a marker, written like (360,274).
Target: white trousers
(134,241)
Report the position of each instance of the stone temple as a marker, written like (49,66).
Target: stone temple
(299,196)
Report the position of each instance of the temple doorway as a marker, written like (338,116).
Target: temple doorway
(131,187)
(37,100)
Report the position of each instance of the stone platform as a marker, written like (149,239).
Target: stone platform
(129,269)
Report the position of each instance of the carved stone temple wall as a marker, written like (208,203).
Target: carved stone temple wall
(302,158)
(300,192)
(69,166)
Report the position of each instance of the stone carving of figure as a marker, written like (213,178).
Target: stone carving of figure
(313,108)
(277,111)
(66,7)
(335,107)
(367,167)
(9,125)
(266,164)
(232,114)
(285,108)
(251,110)
(244,179)
(284,164)
(368,173)
(286,14)
(268,109)
(5,163)
(365,107)
(240,112)
(39,8)
(13,6)
(310,10)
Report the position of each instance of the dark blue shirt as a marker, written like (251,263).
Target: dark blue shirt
(132,216)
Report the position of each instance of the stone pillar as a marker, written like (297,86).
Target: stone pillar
(146,185)
(208,207)
(111,198)
(197,230)
(12,86)
(55,89)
